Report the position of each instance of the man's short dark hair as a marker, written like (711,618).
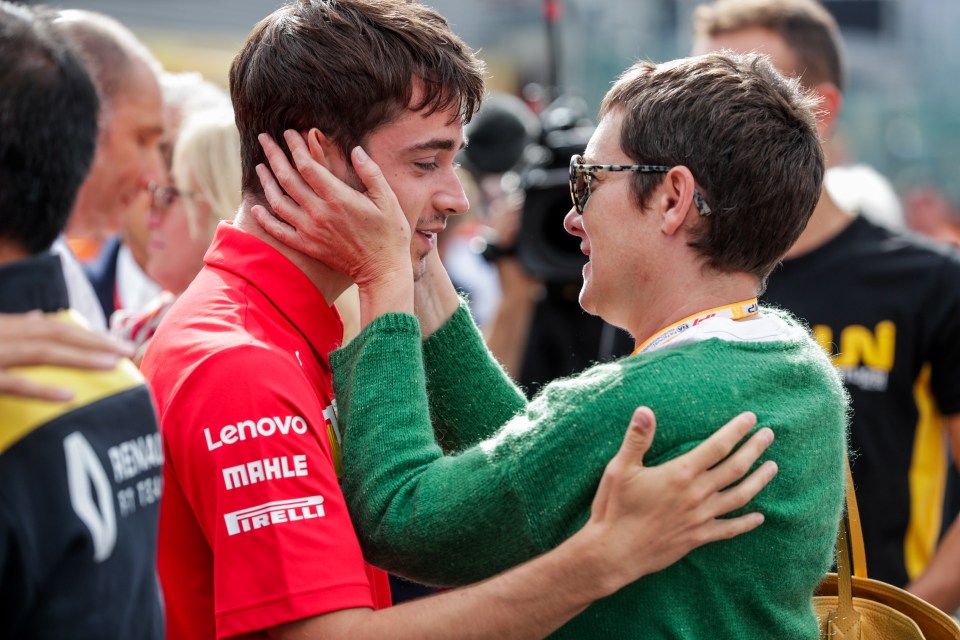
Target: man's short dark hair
(806,26)
(749,137)
(347,68)
(48,120)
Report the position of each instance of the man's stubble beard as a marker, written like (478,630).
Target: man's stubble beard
(419,267)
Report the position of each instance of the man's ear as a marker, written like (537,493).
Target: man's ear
(677,196)
(324,151)
(831,99)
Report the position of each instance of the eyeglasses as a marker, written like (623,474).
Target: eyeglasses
(581,174)
(163,196)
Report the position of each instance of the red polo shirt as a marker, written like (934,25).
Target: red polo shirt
(254,531)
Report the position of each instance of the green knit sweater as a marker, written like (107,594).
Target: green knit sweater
(495,481)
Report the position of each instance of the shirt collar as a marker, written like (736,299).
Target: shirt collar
(33,283)
(280,281)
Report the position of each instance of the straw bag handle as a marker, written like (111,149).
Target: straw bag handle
(855,534)
(845,617)
(883,611)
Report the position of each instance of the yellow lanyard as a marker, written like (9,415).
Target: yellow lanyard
(735,311)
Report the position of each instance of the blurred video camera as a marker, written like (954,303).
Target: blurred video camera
(506,137)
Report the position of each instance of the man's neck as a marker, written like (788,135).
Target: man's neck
(690,296)
(328,282)
(827,221)
(10,252)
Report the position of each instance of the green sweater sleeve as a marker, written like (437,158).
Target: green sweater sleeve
(400,488)
(470,394)
(456,519)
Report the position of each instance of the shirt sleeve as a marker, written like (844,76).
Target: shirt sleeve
(252,457)
(944,313)
(470,394)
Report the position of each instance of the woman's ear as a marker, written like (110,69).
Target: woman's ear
(677,186)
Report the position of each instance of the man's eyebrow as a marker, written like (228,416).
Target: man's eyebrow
(437,144)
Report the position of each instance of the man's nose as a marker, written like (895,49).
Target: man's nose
(153,169)
(452,200)
(153,217)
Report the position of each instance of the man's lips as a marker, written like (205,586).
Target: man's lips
(430,231)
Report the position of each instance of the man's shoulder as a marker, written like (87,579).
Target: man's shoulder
(119,395)
(905,265)
(111,392)
(865,266)
(869,243)
(209,320)
(214,367)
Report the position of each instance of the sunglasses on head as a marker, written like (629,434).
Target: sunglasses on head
(581,174)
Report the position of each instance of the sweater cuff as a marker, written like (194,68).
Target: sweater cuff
(389,323)
(452,336)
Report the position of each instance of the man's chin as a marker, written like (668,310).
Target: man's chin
(419,265)
(419,270)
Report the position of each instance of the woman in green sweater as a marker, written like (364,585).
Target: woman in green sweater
(698,179)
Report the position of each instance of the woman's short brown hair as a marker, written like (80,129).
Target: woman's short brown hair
(746,133)
(346,67)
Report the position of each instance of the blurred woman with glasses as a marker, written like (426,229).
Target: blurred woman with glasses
(204,189)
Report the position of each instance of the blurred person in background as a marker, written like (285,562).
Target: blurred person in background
(499,136)
(508,331)
(204,190)
(930,212)
(861,188)
(471,274)
(885,305)
(118,274)
(79,483)
(130,128)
